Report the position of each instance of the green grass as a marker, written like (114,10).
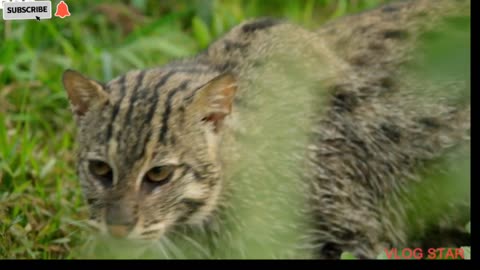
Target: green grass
(40,200)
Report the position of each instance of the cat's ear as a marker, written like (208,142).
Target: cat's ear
(214,100)
(82,92)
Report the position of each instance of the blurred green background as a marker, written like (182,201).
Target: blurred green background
(40,200)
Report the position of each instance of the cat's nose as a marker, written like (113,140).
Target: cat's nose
(119,231)
(120,219)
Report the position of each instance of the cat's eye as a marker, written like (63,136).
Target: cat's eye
(160,174)
(101,171)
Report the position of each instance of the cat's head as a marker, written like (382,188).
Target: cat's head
(148,144)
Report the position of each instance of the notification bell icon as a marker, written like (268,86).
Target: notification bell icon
(62,10)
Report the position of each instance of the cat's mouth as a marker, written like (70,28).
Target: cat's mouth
(152,232)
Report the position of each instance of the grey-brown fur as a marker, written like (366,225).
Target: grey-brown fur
(381,134)
(371,137)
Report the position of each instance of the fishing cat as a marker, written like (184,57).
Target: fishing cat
(275,122)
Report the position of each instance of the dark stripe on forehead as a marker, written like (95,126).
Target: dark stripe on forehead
(116,107)
(168,110)
(151,112)
(135,95)
(156,92)
(135,80)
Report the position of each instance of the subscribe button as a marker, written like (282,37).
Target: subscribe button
(27,10)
